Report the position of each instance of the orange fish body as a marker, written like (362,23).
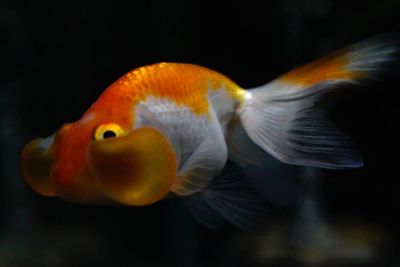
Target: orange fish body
(168,86)
(167,129)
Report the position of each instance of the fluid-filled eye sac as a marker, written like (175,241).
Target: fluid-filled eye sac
(36,161)
(136,169)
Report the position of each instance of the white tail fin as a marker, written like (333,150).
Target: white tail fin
(280,116)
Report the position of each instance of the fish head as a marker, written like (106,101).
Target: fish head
(101,159)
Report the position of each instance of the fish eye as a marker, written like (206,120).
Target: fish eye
(107,130)
(108,134)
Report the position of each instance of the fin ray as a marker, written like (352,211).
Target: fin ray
(203,212)
(281,118)
(231,196)
(205,163)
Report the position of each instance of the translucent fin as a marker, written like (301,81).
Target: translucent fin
(361,61)
(234,199)
(280,116)
(241,148)
(273,179)
(203,212)
(205,163)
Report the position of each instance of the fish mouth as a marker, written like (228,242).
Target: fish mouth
(135,169)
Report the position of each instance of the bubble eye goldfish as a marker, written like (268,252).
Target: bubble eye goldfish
(167,129)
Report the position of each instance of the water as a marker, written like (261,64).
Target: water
(56,57)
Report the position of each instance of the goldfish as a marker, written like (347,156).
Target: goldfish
(168,130)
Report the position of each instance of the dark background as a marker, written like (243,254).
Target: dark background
(56,57)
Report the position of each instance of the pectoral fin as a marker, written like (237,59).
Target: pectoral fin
(205,163)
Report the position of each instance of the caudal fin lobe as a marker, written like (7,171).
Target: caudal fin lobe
(280,116)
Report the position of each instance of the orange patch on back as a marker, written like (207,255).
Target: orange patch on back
(185,84)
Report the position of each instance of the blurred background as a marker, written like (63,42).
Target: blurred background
(56,57)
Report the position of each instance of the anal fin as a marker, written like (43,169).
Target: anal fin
(232,197)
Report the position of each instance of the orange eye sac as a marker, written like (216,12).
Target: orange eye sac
(107,130)
(137,169)
(36,162)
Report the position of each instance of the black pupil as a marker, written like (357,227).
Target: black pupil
(109,134)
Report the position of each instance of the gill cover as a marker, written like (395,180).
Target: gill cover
(134,169)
